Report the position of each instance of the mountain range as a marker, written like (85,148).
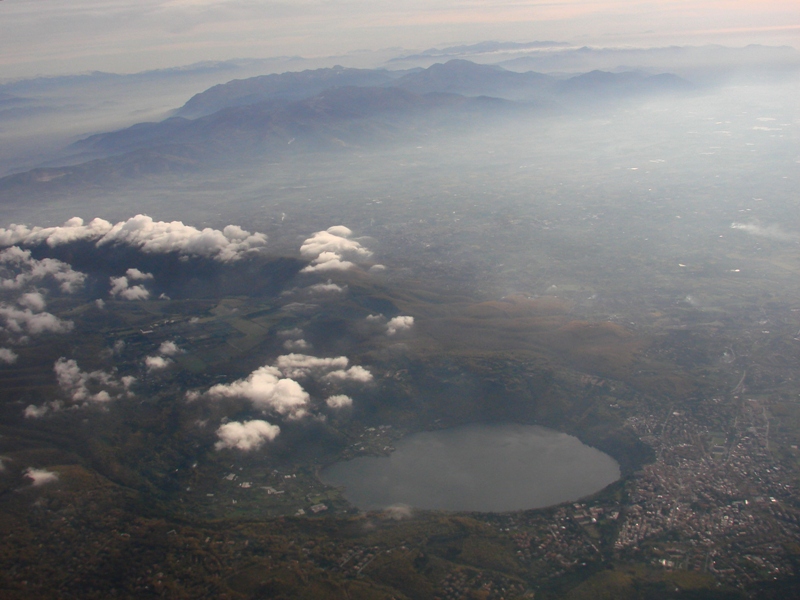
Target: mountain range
(456,76)
(326,109)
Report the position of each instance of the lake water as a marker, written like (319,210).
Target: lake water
(489,468)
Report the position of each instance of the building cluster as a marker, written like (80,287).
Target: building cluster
(469,583)
(716,499)
(354,561)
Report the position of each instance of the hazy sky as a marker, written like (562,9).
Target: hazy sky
(67,36)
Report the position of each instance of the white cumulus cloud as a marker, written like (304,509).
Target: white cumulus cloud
(401,323)
(169,348)
(295,345)
(142,232)
(334,239)
(18,270)
(120,287)
(267,390)
(328,369)
(40,476)
(25,321)
(326,288)
(354,373)
(339,401)
(8,356)
(72,231)
(157,363)
(137,275)
(303,365)
(274,387)
(34,412)
(332,250)
(246,436)
(76,383)
(83,388)
(33,300)
(328,261)
(160,237)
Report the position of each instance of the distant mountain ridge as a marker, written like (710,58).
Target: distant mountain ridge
(309,112)
(336,119)
(262,110)
(480,48)
(342,113)
(287,86)
(455,76)
(707,64)
(630,82)
(464,77)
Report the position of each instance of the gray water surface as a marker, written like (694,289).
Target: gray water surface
(487,468)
